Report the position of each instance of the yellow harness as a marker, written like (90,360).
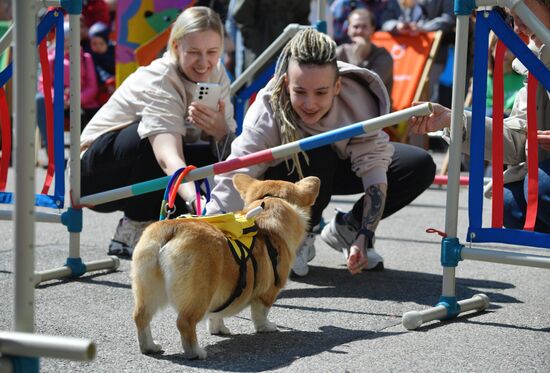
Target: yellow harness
(238,230)
(240,233)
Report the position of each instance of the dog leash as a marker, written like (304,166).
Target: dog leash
(167,207)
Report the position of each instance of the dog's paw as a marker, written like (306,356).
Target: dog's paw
(266,327)
(151,348)
(222,330)
(217,327)
(195,353)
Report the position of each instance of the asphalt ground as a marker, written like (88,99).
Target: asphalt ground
(328,321)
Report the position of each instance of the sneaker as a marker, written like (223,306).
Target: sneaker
(305,254)
(375,260)
(126,236)
(339,235)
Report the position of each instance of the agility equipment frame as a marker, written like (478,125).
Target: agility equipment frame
(451,250)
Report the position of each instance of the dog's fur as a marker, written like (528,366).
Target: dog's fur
(188,263)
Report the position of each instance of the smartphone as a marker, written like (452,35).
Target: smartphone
(207,94)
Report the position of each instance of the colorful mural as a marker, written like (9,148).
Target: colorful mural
(138,22)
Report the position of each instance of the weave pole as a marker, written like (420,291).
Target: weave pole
(266,155)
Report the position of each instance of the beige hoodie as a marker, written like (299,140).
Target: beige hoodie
(363,96)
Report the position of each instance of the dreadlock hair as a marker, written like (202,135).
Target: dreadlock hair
(307,47)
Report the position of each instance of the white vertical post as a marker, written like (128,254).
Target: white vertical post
(24,91)
(74,182)
(457,118)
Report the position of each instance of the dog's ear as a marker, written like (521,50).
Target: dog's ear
(309,189)
(242,182)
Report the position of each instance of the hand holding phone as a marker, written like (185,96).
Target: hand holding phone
(207,111)
(207,94)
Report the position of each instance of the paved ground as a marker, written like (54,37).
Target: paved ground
(328,321)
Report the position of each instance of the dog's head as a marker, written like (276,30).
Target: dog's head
(286,209)
(302,193)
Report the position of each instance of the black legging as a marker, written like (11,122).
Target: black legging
(411,171)
(120,158)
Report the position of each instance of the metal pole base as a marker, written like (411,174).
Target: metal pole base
(27,345)
(413,319)
(111,263)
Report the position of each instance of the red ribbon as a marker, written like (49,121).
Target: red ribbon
(498,137)
(5,123)
(532,155)
(48,103)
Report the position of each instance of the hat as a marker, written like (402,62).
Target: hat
(101,30)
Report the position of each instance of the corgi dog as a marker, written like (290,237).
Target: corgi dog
(189,264)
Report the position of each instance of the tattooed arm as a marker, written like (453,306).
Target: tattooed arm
(373,206)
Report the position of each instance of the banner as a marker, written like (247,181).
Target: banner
(410,55)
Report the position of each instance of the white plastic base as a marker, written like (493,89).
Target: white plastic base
(413,319)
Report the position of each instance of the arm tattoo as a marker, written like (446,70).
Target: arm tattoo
(373,207)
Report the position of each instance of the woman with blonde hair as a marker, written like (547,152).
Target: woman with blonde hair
(312,93)
(150,127)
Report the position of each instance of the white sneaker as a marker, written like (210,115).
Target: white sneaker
(375,260)
(126,236)
(339,235)
(305,254)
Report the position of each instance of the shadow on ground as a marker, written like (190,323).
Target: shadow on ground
(271,351)
(391,285)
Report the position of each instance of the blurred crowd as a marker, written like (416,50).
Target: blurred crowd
(252,25)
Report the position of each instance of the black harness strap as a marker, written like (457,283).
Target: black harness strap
(274,256)
(241,261)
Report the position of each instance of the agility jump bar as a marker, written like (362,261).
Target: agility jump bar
(262,156)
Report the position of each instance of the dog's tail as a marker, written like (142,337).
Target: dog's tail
(154,237)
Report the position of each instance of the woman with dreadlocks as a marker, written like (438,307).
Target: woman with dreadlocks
(312,93)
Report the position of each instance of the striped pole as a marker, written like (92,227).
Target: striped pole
(262,156)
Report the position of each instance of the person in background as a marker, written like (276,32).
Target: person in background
(151,127)
(411,15)
(103,54)
(383,10)
(229,56)
(95,11)
(362,52)
(515,132)
(311,93)
(88,86)
(6,10)
(262,21)
(218,6)
(438,15)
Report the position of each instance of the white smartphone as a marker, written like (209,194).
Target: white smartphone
(207,94)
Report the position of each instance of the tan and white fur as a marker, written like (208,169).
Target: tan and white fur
(188,264)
